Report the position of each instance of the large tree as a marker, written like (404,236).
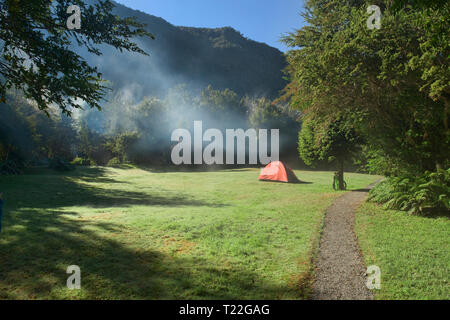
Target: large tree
(419,4)
(331,140)
(36,53)
(395,81)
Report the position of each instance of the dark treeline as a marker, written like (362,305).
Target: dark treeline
(383,89)
(132,133)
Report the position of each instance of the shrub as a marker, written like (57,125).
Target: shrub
(59,164)
(415,194)
(114,162)
(82,162)
(9,167)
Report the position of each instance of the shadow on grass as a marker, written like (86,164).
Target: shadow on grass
(290,182)
(435,213)
(195,168)
(360,190)
(39,245)
(54,190)
(39,242)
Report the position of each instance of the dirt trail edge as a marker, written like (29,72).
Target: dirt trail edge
(340,273)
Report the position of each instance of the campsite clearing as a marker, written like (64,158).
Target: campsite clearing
(145,234)
(411,251)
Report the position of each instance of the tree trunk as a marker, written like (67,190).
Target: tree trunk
(341,181)
(7,152)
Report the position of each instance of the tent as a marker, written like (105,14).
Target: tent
(278,171)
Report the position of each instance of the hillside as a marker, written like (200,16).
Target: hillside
(197,57)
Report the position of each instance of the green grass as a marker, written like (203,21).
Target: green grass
(412,252)
(143,234)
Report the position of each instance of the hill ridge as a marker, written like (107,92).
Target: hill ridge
(221,57)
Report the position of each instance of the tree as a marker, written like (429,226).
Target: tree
(225,105)
(330,140)
(35,54)
(120,146)
(419,4)
(92,146)
(264,114)
(16,136)
(395,81)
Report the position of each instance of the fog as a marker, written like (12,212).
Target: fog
(166,90)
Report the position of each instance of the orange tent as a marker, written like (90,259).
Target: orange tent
(278,171)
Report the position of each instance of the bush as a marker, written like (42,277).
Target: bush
(59,164)
(416,194)
(82,162)
(114,162)
(9,167)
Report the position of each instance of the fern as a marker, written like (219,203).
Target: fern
(414,193)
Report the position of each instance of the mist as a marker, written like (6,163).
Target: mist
(216,76)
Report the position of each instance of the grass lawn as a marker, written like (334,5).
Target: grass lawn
(142,234)
(412,252)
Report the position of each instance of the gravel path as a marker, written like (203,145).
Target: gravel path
(340,272)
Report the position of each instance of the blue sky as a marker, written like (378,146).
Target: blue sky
(263,20)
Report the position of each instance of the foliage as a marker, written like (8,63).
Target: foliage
(419,4)
(114,162)
(16,133)
(415,193)
(328,140)
(375,161)
(29,135)
(59,164)
(149,123)
(36,57)
(263,113)
(77,161)
(92,146)
(136,133)
(120,147)
(11,167)
(395,81)
(225,103)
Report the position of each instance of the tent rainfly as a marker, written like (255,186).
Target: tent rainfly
(277,171)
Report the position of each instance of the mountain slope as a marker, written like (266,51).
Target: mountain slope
(197,57)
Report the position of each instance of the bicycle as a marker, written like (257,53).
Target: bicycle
(336,182)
